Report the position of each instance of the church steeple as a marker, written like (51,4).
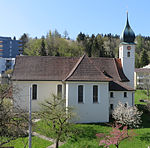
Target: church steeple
(127,52)
(128,35)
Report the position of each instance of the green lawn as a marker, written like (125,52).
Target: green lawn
(36,143)
(85,137)
(140,94)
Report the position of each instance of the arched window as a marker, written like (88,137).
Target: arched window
(95,94)
(80,94)
(128,54)
(59,90)
(34,92)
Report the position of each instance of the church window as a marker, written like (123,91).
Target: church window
(59,90)
(34,92)
(95,94)
(128,54)
(125,94)
(80,94)
(111,106)
(111,94)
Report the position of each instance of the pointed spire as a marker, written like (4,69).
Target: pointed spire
(127,20)
(128,35)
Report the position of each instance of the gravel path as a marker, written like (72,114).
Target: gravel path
(48,139)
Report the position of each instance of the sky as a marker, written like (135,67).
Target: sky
(37,17)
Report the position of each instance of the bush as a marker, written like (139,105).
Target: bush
(127,115)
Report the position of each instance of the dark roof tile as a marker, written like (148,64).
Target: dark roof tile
(119,86)
(46,68)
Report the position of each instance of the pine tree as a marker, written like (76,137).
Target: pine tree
(144,58)
(42,49)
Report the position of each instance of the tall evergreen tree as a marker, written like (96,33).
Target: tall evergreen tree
(42,49)
(144,58)
(24,39)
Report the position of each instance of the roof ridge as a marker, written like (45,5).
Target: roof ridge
(74,68)
(97,68)
(114,59)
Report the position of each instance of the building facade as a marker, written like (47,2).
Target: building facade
(93,86)
(9,49)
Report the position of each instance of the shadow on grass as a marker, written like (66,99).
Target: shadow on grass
(84,132)
(145,116)
(145,137)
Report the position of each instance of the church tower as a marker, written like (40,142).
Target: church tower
(127,53)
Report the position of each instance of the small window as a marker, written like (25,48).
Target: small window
(111,94)
(128,54)
(95,94)
(111,106)
(125,94)
(34,92)
(59,91)
(80,93)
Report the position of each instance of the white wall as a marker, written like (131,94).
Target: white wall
(119,96)
(88,111)
(44,90)
(128,62)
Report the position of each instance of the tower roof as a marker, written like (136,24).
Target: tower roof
(127,35)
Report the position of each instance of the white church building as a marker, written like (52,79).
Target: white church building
(93,86)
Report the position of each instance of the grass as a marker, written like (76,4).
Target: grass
(85,137)
(36,143)
(140,94)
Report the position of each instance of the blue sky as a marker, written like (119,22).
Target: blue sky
(37,17)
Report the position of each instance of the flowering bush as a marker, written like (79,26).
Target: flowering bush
(127,115)
(116,136)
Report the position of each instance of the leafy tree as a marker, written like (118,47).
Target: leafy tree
(55,113)
(43,50)
(127,115)
(81,37)
(144,58)
(33,47)
(98,47)
(13,121)
(116,136)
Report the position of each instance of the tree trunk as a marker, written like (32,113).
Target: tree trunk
(57,143)
(117,145)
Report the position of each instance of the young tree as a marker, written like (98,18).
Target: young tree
(127,115)
(13,124)
(116,136)
(57,116)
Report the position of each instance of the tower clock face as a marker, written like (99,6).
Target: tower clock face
(129,47)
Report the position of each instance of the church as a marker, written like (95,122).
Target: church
(93,86)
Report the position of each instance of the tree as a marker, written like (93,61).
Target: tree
(116,136)
(144,58)
(43,50)
(33,47)
(25,39)
(127,115)
(13,123)
(57,116)
(66,34)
